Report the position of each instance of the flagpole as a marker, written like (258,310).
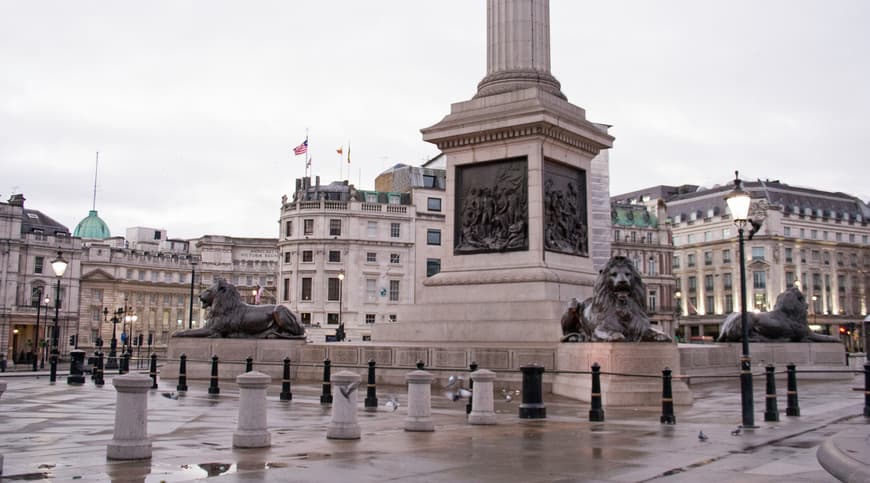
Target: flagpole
(307,160)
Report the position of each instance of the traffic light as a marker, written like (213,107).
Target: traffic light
(842,330)
(72,340)
(140,341)
(150,338)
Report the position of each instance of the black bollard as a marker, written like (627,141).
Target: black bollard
(596,413)
(213,385)
(792,408)
(153,372)
(532,406)
(472,367)
(125,363)
(326,396)
(2,362)
(867,389)
(52,372)
(286,395)
(99,379)
(420,365)
(182,374)
(771,411)
(249,364)
(371,402)
(667,399)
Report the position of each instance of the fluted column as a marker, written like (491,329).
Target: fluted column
(518,47)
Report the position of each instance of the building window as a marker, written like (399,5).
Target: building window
(36,296)
(729,303)
(676,262)
(335,256)
(371,289)
(141,275)
(726,281)
(307,256)
(676,240)
(433,204)
(38,263)
(690,238)
(433,237)
(394,258)
(433,266)
(395,230)
(708,236)
(653,296)
(758,253)
(371,257)
(392,317)
(803,255)
(394,290)
(372,229)
(370,318)
(789,279)
(693,283)
(709,305)
(306,289)
(333,291)
(726,256)
(652,266)
(334,227)
(288,229)
(287,256)
(371,197)
(306,318)
(429,181)
(286,291)
(708,258)
(786,231)
(708,283)
(691,260)
(788,255)
(817,256)
(761,301)
(394,199)
(332,318)
(759,280)
(814,234)
(308,226)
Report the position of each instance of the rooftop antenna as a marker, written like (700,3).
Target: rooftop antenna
(96,169)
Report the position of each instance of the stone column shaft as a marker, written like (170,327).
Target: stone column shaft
(130,440)
(518,35)
(252,431)
(419,401)
(344,423)
(482,403)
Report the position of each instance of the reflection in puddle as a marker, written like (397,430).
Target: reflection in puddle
(217,469)
(28,477)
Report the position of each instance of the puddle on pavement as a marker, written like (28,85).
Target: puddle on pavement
(798,444)
(217,469)
(27,477)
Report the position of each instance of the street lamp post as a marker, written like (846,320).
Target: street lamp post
(190,303)
(36,348)
(42,347)
(59,265)
(738,203)
(340,334)
(677,312)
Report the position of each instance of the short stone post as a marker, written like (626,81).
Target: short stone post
(130,441)
(532,406)
(472,367)
(371,402)
(344,423)
(249,364)
(252,430)
(286,395)
(792,408)
(76,367)
(483,408)
(182,374)
(867,389)
(596,413)
(153,371)
(213,383)
(419,401)
(667,399)
(326,395)
(771,411)
(99,379)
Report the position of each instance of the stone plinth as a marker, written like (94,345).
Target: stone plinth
(252,431)
(419,401)
(642,358)
(699,360)
(482,402)
(130,440)
(344,423)
(268,355)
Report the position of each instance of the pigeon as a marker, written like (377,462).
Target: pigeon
(702,436)
(392,403)
(509,394)
(460,393)
(736,432)
(452,380)
(170,395)
(348,389)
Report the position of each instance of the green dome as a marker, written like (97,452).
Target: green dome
(92,227)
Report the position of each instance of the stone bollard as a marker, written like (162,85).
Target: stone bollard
(771,411)
(596,413)
(326,395)
(182,374)
(792,407)
(344,423)
(286,395)
(667,399)
(472,367)
(130,441)
(419,401)
(153,371)
(371,402)
(482,410)
(252,431)
(213,382)
(532,406)
(76,367)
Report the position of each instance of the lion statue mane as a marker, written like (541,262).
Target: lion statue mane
(615,312)
(229,316)
(787,322)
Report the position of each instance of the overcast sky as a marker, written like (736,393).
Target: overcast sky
(195,106)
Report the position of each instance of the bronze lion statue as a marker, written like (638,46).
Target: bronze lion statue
(787,322)
(615,312)
(228,316)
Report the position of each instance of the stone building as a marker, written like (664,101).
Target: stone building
(29,241)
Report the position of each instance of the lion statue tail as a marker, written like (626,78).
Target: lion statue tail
(732,328)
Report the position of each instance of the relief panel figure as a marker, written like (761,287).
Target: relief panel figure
(566,228)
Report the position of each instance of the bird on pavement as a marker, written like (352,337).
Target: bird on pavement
(702,436)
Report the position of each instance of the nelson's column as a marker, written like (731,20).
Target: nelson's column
(527,208)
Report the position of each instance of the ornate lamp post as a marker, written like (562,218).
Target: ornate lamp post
(738,203)
(677,312)
(340,331)
(59,265)
(42,346)
(193,262)
(36,348)
(112,362)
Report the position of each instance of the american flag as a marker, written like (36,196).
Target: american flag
(301,149)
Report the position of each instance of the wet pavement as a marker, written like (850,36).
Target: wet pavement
(60,432)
